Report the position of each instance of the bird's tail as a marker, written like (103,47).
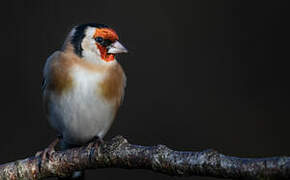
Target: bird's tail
(77,175)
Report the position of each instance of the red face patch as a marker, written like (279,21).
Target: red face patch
(106,33)
(104,55)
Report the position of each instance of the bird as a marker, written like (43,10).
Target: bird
(83,85)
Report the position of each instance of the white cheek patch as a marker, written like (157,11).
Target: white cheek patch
(89,43)
(90,50)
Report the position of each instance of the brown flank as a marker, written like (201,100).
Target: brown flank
(113,85)
(60,80)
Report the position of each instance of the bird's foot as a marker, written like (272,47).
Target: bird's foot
(47,152)
(95,142)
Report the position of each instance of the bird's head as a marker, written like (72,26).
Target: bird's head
(96,42)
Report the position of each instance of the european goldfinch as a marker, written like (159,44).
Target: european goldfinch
(84,84)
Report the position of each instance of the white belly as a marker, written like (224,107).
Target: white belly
(82,112)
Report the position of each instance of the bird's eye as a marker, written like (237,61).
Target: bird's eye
(99,39)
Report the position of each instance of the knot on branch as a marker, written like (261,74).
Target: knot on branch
(114,144)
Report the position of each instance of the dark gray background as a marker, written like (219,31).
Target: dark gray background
(201,74)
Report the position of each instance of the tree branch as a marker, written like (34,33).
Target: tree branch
(118,153)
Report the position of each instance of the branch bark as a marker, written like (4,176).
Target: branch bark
(118,153)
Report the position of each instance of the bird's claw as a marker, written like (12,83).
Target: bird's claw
(47,152)
(95,142)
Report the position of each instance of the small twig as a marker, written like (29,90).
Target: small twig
(118,153)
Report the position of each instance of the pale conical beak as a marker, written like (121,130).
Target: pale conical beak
(116,48)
